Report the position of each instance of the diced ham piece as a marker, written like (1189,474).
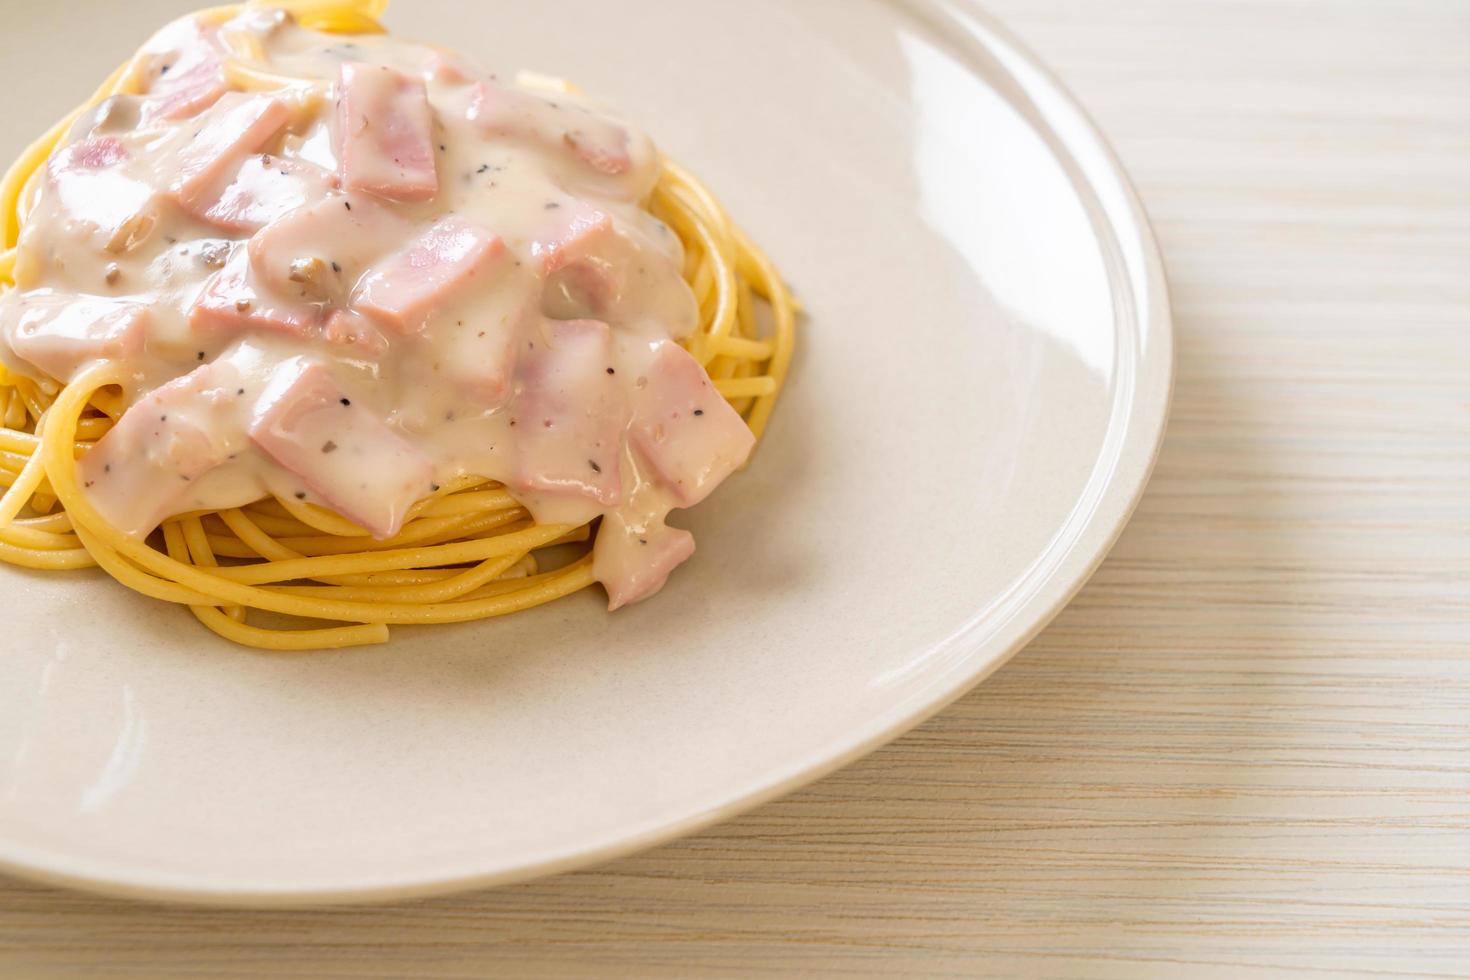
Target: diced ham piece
(570,414)
(183,71)
(234,301)
(92,153)
(572,233)
(479,351)
(322,248)
(633,563)
(354,332)
(236,127)
(265,188)
(688,435)
(407,286)
(594,142)
(93,186)
(339,449)
(144,468)
(60,334)
(384,133)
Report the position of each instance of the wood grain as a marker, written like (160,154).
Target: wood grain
(1245,749)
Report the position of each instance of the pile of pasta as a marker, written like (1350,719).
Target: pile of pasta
(470,551)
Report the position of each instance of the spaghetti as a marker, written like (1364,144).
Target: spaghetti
(252,574)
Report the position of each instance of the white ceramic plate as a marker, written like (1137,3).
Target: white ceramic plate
(979,395)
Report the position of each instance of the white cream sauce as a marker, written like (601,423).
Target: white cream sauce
(395,271)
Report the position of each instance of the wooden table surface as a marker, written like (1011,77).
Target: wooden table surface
(1245,748)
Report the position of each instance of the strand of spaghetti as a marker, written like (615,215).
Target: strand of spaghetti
(251,79)
(304,10)
(15,412)
(432,530)
(25,486)
(254,538)
(130,575)
(201,554)
(292,641)
(680,213)
(49,561)
(783,310)
(27,537)
(245,529)
(745,387)
(232,626)
(322,520)
(16,441)
(178,549)
(55,523)
(459,553)
(449,589)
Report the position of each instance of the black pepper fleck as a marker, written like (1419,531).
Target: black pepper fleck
(433,488)
(347,205)
(611,371)
(239,391)
(329,446)
(595,468)
(300,494)
(201,355)
(336,267)
(347,401)
(699,411)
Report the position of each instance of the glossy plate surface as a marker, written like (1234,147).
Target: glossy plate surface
(980,391)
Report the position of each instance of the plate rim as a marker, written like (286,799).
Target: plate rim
(1136,457)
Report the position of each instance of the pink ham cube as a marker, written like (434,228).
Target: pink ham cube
(339,449)
(590,140)
(91,153)
(384,133)
(407,286)
(235,301)
(633,562)
(354,333)
(265,188)
(143,470)
(479,351)
(236,127)
(93,186)
(572,233)
(322,248)
(60,335)
(183,70)
(570,414)
(687,434)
